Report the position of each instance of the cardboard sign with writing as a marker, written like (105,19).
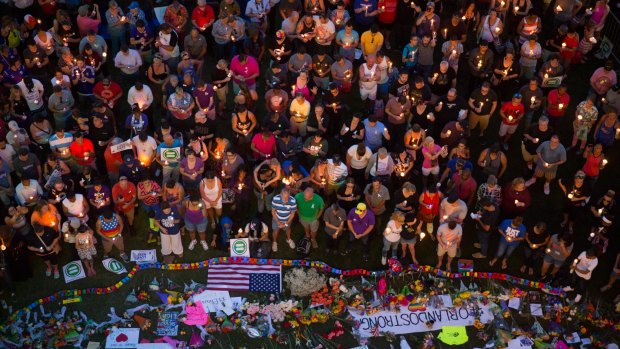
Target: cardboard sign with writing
(143,256)
(126,145)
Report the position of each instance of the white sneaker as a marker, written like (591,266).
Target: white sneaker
(291,243)
(204,245)
(192,244)
(577,298)
(547,188)
(274,246)
(568,289)
(383,260)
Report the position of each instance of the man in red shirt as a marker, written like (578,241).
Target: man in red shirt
(83,152)
(108,92)
(511,113)
(386,17)
(124,195)
(557,103)
(465,186)
(203,16)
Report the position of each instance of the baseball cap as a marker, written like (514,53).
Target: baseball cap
(13,126)
(121,178)
(580,174)
(128,159)
(133,5)
(361,208)
(430,4)
(30,20)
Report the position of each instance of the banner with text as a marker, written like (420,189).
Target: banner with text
(407,321)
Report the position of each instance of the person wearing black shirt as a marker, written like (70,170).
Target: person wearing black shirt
(482,103)
(442,79)
(220,79)
(276,123)
(334,107)
(455,28)
(450,107)
(280,49)
(44,242)
(576,195)
(486,220)
(533,137)
(405,199)
(537,239)
(405,11)
(131,168)
(400,86)
(409,235)
(420,90)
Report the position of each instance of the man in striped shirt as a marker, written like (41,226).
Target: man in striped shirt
(336,173)
(59,144)
(283,208)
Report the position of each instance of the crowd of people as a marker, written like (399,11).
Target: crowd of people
(345,123)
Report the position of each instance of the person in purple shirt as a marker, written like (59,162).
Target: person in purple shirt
(83,77)
(361,223)
(365,13)
(203,96)
(14,73)
(99,196)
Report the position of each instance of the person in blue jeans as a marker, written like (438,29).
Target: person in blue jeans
(512,232)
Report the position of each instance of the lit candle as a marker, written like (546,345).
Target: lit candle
(533,100)
(536,140)
(422,236)
(579,117)
(563,45)
(560,106)
(548,250)
(558,8)
(604,162)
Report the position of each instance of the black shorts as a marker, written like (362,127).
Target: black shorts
(52,258)
(385,26)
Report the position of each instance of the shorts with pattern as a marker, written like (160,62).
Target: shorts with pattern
(87,253)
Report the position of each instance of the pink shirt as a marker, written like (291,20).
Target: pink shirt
(428,163)
(602,80)
(264,146)
(86,23)
(248,69)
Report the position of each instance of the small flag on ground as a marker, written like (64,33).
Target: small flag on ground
(244,278)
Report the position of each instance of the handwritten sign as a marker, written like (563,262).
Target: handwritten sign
(143,256)
(121,338)
(126,145)
(415,321)
(213,301)
(167,323)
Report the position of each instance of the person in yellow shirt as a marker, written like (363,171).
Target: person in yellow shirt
(371,41)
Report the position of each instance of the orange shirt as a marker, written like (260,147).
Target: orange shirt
(47,219)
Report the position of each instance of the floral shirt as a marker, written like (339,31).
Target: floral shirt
(588,115)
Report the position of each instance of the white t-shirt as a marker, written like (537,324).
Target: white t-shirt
(76,207)
(146,149)
(359,163)
(34,98)
(394,233)
(142,98)
(585,264)
(7,154)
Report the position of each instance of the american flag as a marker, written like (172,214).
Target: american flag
(244,278)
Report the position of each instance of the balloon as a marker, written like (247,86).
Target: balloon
(382,287)
(395,266)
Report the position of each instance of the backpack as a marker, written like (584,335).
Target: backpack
(303,246)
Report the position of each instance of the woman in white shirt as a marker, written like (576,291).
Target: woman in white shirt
(391,235)
(582,269)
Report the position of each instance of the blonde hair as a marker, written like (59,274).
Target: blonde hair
(398,216)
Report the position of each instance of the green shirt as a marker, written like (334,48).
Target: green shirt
(309,210)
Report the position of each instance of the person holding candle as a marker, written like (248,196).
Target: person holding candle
(577,195)
(557,251)
(486,219)
(551,154)
(124,196)
(480,64)
(581,271)
(348,39)
(76,205)
(595,162)
(529,22)
(564,10)
(85,246)
(568,49)
(365,12)
(537,239)
(532,99)
(391,235)
(533,136)
(283,209)
(490,29)
(530,53)
(586,115)
(45,243)
(511,113)
(449,235)
(557,105)
(512,232)
(603,79)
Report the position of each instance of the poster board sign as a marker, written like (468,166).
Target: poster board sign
(213,301)
(143,256)
(552,82)
(126,145)
(407,321)
(73,270)
(122,338)
(170,154)
(167,323)
(111,264)
(240,247)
